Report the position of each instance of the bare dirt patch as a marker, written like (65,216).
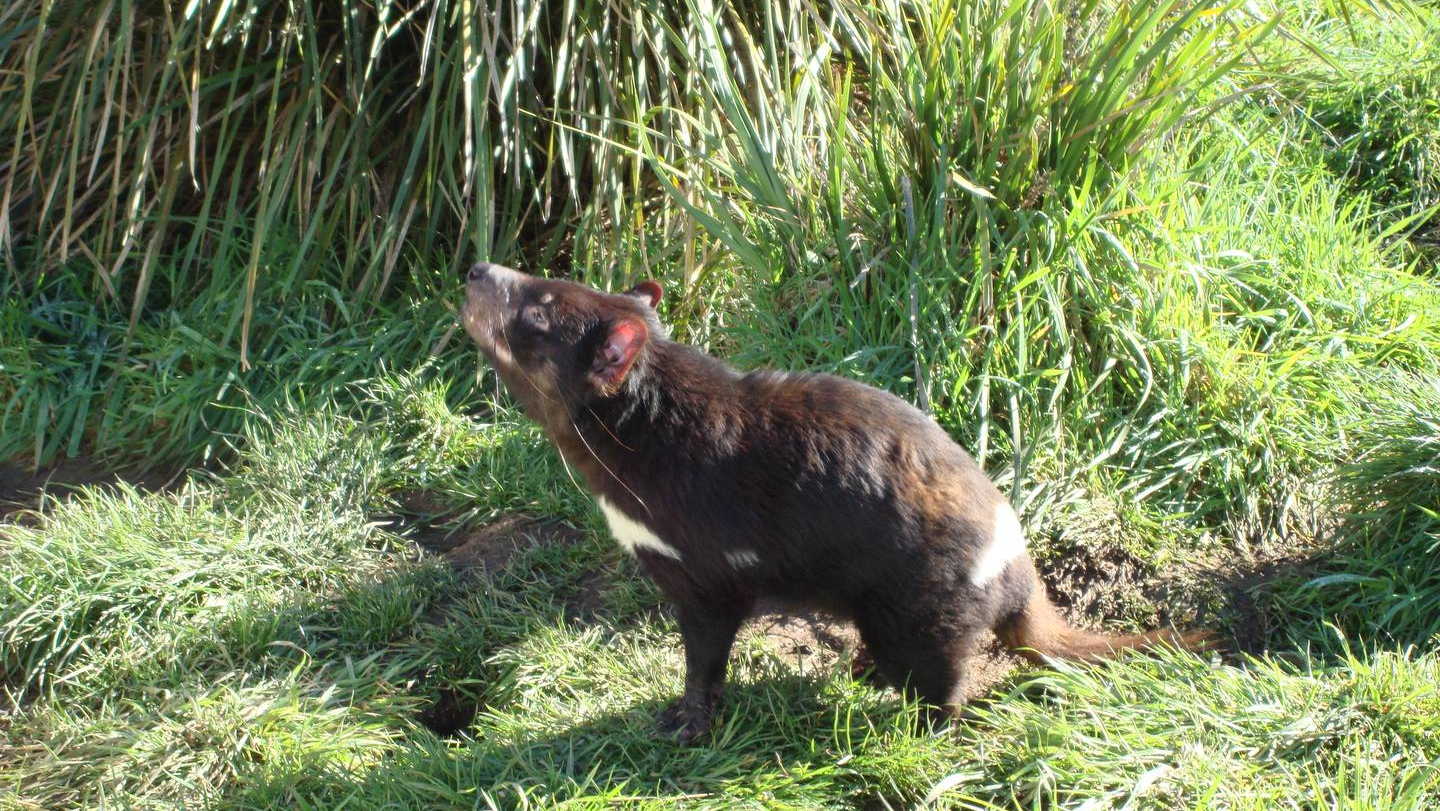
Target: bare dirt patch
(487,549)
(1220,589)
(815,640)
(810,639)
(1101,581)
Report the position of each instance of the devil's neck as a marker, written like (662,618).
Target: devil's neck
(671,406)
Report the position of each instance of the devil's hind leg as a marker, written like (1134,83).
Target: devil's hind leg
(927,661)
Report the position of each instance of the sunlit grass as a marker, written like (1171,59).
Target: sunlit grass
(1162,266)
(301,671)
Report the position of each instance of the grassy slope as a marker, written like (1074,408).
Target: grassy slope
(258,639)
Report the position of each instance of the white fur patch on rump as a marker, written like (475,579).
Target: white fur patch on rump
(633,535)
(1007,542)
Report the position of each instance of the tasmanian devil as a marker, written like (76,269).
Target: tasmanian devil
(728,486)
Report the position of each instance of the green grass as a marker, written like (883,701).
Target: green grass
(252,654)
(1366,97)
(1166,268)
(170,388)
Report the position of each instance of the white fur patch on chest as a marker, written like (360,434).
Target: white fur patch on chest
(633,535)
(1007,542)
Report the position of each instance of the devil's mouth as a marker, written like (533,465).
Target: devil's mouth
(492,339)
(484,333)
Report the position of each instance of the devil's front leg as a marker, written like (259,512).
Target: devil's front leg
(707,630)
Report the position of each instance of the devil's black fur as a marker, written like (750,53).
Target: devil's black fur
(806,487)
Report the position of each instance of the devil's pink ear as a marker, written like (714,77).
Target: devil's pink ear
(647,291)
(617,352)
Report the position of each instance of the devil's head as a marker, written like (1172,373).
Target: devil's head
(556,342)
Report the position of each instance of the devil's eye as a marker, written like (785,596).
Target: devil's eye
(536,318)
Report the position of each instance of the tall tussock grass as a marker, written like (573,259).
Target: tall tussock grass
(1372,106)
(159,141)
(212,163)
(1004,211)
(1036,220)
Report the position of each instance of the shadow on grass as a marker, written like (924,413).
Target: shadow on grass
(423,646)
(1376,585)
(1367,592)
(23,489)
(772,734)
(458,724)
(436,623)
(1356,595)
